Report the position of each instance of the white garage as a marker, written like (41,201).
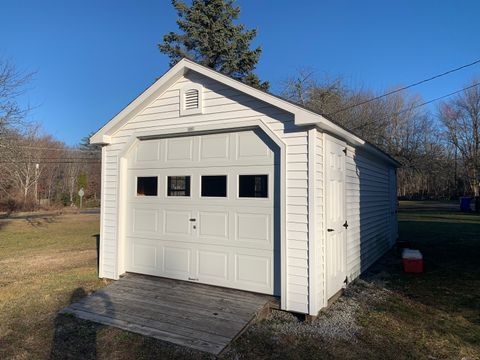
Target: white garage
(205,179)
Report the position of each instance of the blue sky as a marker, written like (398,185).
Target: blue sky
(91,58)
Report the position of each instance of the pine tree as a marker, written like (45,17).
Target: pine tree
(211,38)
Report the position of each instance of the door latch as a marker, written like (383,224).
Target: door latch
(345,225)
(192,219)
(330,230)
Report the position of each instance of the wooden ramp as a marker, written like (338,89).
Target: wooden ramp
(198,316)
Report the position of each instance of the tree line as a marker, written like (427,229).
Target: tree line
(439,150)
(37,170)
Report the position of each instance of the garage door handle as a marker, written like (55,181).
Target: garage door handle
(193,219)
(330,230)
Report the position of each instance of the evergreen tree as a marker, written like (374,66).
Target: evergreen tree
(211,38)
(91,150)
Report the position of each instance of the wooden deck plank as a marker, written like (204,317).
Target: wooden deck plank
(147,331)
(178,306)
(142,318)
(172,309)
(218,304)
(198,316)
(188,299)
(208,293)
(208,290)
(188,320)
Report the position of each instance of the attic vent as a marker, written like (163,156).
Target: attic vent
(191,100)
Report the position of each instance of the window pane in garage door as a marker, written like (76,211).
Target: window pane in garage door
(178,186)
(147,186)
(215,186)
(253,186)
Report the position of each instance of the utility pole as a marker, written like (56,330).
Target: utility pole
(37,166)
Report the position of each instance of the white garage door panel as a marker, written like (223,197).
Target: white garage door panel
(177,261)
(179,149)
(225,241)
(145,221)
(215,147)
(177,222)
(243,227)
(147,151)
(212,265)
(253,227)
(246,269)
(213,225)
(243,148)
(144,256)
(252,269)
(250,146)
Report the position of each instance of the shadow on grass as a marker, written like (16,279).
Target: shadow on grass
(41,221)
(75,338)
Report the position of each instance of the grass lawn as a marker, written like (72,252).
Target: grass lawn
(387,314)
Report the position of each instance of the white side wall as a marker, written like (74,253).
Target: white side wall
(221,105)
(370,202)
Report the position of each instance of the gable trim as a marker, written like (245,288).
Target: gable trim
(302,116)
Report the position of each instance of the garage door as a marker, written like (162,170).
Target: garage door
(201,208)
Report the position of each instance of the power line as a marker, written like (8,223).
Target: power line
(432,100)
(405,87)
(50,162)
(48,148)
(41,159)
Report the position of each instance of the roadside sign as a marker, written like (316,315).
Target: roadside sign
(81,193)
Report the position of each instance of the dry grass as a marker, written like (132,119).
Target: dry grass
(42,263)
(46,264)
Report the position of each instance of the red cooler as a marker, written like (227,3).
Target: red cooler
(412,261)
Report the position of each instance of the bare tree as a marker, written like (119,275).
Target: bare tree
(34,166)
(20,167)
(395,123)
(71,173)
(461,118)
(12,85)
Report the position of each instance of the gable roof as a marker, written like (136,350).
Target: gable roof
(302,116)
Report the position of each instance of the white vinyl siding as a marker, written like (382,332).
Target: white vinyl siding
(319,243)
(221,104)
(369,203)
